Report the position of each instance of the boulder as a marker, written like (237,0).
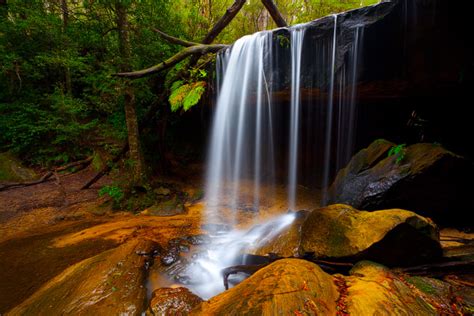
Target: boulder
(339,232)
(285,243)
(298,287)
(424,178)
(172,301)
(11,169)
(373,289)
(111,283)
(286,287)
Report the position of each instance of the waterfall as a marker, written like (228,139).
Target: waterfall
(327,146)
(241,146)
(256,135)
(296,48)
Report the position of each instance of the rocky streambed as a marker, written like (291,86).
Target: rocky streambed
(335,260)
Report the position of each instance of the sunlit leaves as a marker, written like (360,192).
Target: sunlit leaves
(187,95)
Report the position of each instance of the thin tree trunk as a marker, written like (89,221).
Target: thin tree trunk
(67,70)
(3,9)
(65,13)
(129,96)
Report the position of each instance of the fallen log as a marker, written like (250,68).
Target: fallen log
(107,167)
(82,163)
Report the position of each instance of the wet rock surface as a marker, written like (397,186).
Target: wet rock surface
(28,262)
(112,281)
(172,301)
(339,232)
(297,287)
(424,178)
(285,287)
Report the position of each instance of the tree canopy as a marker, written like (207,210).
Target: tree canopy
(59,101)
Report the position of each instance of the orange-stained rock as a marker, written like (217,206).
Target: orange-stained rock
(286,287)
(339,232)
(172,301)
(393,237)
(375,290)
(111,283)
(297,287)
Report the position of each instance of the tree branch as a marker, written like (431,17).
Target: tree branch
(175,40)
(170,62)
(275,13)
(229,15)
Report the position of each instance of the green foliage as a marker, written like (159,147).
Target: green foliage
(399,151)
(283,41)
(186,95)
(114,192)
(58,100)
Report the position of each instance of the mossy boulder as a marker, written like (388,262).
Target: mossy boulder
(394,237)
(168,207)
(424,178)
(360,162)
(339,232)
(172,301)
(298,287)
(11,169)
(373,289)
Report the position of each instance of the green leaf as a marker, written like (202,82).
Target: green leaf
(187,95)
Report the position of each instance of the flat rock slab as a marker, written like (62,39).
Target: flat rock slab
(111,282)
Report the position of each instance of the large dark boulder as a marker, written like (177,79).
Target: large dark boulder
(424,178)
(341,233)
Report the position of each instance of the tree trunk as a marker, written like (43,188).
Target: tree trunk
(129,96)
(67,70)
(224,21)
(3,9)
(65,13)
(275,13)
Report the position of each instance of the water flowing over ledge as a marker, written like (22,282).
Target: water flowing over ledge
(251,129)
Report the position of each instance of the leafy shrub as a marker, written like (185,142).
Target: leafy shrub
(399,151)
(114,192)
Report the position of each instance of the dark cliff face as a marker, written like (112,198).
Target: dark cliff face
(418,58)
(415,72)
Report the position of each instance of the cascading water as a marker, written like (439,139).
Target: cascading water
(256,137)
(296,47)
(242,133)
(327,146)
